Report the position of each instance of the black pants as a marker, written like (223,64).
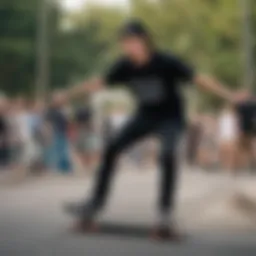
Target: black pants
(4,155)
(142,124)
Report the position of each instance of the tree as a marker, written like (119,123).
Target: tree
(17,44)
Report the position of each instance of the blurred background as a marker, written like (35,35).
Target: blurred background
(47,46)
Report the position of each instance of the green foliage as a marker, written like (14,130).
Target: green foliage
(72,53)
(17,44)
(206,33)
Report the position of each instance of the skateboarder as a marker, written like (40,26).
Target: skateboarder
(155,78)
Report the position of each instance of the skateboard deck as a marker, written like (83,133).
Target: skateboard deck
(127,231)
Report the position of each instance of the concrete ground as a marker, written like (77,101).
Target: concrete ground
(32,221)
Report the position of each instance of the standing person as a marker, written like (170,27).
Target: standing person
(246,112)
(24,151)
(155,78)
(87,139)
(58,152)
(228,137)
(4,136)
(208,147)
(194,137)
(37,126)
(15,142)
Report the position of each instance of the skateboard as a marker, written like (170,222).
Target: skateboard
(122,230)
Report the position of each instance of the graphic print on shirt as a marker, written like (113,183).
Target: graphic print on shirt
(149,90)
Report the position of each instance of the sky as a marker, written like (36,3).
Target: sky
(76,4)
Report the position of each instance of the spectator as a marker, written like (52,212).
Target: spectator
(228,137)
(246,112)
(58,152)
(39,138)
(87,141)
(207,153)
(23,147)
(4,135)
(194,137)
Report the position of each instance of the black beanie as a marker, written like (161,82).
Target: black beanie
(134,28)
(138,29)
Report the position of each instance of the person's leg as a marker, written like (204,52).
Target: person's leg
(51,154)
(87,212)
(64,154)
(245,151)
(2,157)
(170,134)
(251,154)
(225,156)
(137,128)
(232,155)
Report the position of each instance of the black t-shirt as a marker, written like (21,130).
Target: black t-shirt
(57,119)
(247,116)
(156,85)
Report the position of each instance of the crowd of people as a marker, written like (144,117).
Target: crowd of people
(35,138)
(58,137)
(221,141)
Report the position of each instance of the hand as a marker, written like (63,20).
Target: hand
(240,97)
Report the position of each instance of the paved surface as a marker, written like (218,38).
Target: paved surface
(32,221)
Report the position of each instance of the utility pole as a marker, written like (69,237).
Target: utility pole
(42,58)
(247,44)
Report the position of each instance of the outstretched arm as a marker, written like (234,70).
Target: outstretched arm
(86,87)
(116,75)
(211,85)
